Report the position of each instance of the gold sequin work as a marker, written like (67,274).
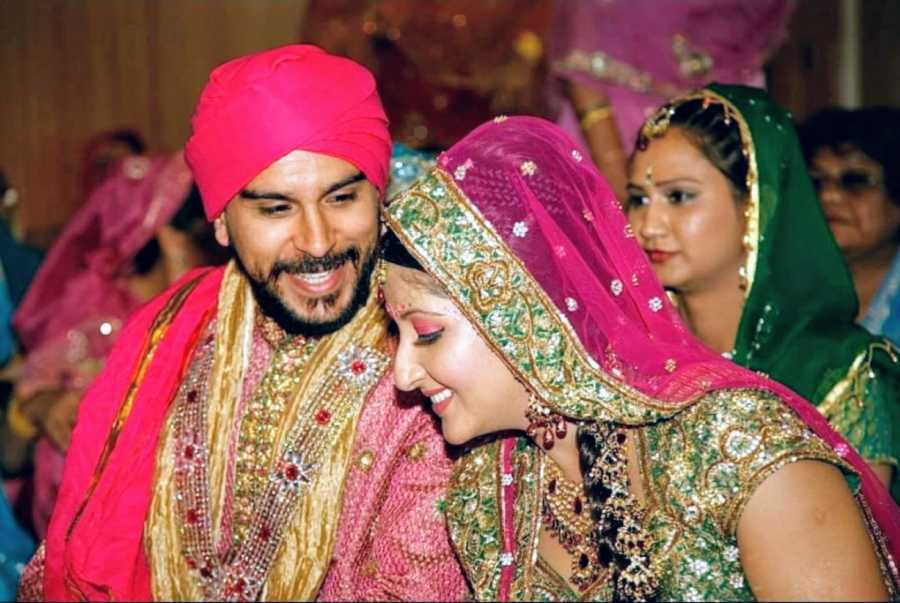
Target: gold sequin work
(700,468)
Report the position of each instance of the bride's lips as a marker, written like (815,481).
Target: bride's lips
(317,284)
(658,256)
(440,398)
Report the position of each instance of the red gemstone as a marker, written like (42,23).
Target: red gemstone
(239,585)
(577,506)
(292,472)
(189,452)
(206,571)
(358,367)
(190,562)
(265,533)
(192,395)
(551,487)
(192,516)
(323,417)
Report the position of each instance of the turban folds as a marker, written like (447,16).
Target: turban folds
(258,108)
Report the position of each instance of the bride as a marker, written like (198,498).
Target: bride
(609,455)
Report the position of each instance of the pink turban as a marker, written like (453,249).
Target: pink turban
(258,108)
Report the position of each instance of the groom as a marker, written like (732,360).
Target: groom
(245,440)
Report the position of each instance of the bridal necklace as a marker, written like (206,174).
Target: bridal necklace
(601,534)
(567,516)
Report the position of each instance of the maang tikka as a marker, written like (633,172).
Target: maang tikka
(541,418)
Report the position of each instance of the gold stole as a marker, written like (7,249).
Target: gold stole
(305,552)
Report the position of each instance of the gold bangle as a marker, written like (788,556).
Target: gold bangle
(589,118)
(18,422)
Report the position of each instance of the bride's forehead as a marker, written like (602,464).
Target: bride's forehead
(407,289)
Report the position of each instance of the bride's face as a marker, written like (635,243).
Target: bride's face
(441,354)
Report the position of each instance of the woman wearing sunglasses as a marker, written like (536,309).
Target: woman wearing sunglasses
(720,200)
(854,163)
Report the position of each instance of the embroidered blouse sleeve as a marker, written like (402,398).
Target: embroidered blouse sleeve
(749,435)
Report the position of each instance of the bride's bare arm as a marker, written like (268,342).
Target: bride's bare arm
(803,537)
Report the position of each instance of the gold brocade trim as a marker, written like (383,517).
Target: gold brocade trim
(305,520)
(540,346)
(157,331)
(853,385)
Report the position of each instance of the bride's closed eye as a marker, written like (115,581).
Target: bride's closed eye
(428,332)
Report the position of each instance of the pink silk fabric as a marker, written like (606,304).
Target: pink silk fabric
(544,197)
(738,35)
(257,108)
(103,556)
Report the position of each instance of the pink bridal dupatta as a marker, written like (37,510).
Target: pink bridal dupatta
(529,241)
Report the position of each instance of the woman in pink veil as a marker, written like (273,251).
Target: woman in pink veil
(121,248)
(609,455)
(615,61)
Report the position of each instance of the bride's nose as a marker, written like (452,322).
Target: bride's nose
(408,373)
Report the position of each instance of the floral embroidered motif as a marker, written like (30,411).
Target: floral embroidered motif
(520,229)
(360,367)
(571,304)
(292,473)
(671,365)
(616,287)
(528,168)
(588,215)
(460,172)
(655,304)
(576,155)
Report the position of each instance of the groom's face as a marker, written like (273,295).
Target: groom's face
(305,232)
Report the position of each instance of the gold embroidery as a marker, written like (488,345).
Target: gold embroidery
(496,292)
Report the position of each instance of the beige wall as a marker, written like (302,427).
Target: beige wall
(72,68)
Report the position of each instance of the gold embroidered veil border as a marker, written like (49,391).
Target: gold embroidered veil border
(306,549)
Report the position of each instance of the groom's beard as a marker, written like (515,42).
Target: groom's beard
(272,304)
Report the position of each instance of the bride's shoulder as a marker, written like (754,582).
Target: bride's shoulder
(728,443)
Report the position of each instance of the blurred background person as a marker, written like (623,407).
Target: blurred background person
(103,151)
(720,200)
(139,231)
(16,546)
(854,162)
(615,61)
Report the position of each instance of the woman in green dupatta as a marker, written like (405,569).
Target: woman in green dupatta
(720,199)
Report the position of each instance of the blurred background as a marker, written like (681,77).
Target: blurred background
(75,69)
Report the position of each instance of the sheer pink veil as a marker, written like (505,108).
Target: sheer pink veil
(642,52)
(540,193)
(83,269)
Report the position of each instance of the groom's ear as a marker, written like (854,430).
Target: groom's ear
(220,226)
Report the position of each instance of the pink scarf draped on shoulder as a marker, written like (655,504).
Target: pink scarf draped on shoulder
(98,524)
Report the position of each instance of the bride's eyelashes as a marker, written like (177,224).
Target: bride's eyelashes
(427,332)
